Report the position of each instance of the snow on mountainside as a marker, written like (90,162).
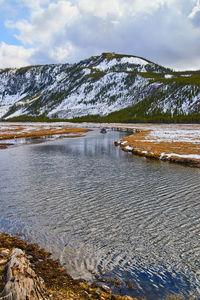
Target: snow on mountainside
(97,86)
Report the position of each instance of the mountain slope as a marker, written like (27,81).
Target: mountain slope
(99,85)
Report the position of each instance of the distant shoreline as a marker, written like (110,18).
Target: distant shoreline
(33,130)
(177,143)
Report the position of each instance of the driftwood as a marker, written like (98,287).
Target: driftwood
(21,281)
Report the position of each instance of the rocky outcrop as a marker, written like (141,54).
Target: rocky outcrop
(21,281)
(22,267)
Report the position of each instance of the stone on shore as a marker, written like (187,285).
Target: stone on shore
(21,281)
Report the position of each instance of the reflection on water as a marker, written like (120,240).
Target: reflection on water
(106,213)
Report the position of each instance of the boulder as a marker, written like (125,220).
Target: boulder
(21,281)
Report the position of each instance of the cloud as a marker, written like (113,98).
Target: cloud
(70,30)
(195,14)
(44,23)
(14,56)
(33,4)
(105,8)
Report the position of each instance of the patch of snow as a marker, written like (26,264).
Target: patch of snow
(129,148)
(107,64)
(87,71)
(60,76)
(134,60)
(168,76)
(4,109)
(16,113)
(174,135)
(168,155)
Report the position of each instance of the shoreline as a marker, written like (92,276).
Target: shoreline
(59,285)
(165,145)
(55,282)
(175,143)
(14,131)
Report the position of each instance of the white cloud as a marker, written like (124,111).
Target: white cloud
(69,30)
(33,4)
(120,8)
(101,8)
(195,10)
(61,54)
(44,23)
(14,56)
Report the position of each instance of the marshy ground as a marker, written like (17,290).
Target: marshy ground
(32,130)
(174,143)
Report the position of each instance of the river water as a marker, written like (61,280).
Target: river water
(106,213)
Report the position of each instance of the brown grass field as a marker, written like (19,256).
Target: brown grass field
(174,151)
(14,132)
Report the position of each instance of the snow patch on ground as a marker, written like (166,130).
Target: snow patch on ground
(175,135)
(168,155)
(16,113)
(129,148)
(4,109)
(134,60)
(87,71)
(107,64)
(168,76)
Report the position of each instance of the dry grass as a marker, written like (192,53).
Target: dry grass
(154,149)
(5,145)
(37,132)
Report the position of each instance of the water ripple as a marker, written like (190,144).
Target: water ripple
(106,213)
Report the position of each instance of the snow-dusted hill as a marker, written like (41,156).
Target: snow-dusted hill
(97,86)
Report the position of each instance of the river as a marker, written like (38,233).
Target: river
(106,213)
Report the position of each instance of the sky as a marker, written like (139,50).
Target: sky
(34,32)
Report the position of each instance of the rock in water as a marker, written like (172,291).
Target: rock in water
(21,282)
(103,130)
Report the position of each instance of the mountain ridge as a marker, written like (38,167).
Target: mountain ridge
(100,85)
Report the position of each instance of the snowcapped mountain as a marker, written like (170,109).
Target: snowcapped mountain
(99,85)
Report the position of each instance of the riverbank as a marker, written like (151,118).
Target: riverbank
(176,143)
(179,143)
(34,130)
(173,143)
(57,283)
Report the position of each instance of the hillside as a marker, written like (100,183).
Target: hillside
(110,87)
